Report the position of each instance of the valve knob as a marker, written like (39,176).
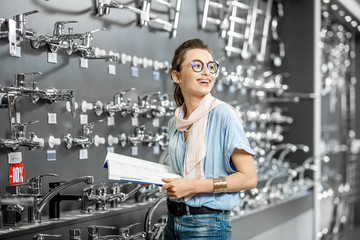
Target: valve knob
(98,140)
(54,141)
(85,106)
(68,106)
(112,140)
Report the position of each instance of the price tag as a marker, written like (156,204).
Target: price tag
(18,115)
(156,150)
(52,118)
(219,87)
(134,72)
(156,76)
(84,63)
(52,57)
(83,119)
(50,155)
(134,151)
(83,154)
(112,69)
(110,121)
(16,173)
(232,88)
(243,91)
(134,122)
(156,122)
(14,157)
(110,149)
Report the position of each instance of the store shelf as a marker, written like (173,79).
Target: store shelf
(74,219)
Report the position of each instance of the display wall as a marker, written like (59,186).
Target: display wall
(94,80)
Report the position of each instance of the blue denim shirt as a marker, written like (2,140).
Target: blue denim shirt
(224,133)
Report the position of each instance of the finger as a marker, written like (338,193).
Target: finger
(167,180)
(166,186)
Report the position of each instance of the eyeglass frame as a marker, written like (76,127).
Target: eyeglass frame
(202,66)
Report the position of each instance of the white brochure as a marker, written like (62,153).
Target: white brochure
(125,168)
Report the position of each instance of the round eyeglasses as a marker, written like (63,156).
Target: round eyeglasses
(198,66)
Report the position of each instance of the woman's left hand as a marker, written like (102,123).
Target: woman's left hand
(178,187)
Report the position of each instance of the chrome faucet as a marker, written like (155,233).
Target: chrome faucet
(19,138)
(148,106)
(75,234)
(42,236)
(155,232)
(88,199)
(124,233)
(40,203)
(21,30)
(15,29)
(116,196)
(94,233)
(85,140)
(119,104)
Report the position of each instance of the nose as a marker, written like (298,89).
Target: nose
(205,70)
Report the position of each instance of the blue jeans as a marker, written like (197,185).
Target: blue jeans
(200,226)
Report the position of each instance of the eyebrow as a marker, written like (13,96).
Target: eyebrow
(202,61)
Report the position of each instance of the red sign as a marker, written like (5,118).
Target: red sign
(16,173)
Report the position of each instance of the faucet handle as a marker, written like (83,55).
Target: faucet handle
(75,234)
(20,78)
(96,30)
(42,236)
(124,231)
(36,182)
(94,230)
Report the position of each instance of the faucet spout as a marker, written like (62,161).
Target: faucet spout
(41,204)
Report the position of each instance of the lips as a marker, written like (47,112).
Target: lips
(204,81)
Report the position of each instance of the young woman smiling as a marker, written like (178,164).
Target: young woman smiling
(208,147)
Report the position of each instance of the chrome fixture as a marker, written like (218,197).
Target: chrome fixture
(39,203)
(103,7)
(16,31)
(19,138)
(81,43)
(119,104)
(156,231)
(85,140)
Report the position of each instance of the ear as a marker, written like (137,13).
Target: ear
(175,76)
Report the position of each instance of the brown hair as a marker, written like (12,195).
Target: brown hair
(178,59)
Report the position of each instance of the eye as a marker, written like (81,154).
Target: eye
(196,65)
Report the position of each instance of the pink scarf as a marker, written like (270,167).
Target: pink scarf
(196,126)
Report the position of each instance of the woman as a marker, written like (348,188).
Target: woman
(208,147)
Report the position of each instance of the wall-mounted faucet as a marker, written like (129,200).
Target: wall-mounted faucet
(19,89)
(119,104)
(16,31)
(103,7)
(85,140)
(82,43)
(19,138)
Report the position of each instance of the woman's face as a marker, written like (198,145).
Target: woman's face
(195,84)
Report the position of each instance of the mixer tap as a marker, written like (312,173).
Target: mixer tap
(118,105)
(88,198)
(43,236)
(148,106)
(15,30)
(85,140)
(19,138)
(124,233)
(155,232)
(39,203)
